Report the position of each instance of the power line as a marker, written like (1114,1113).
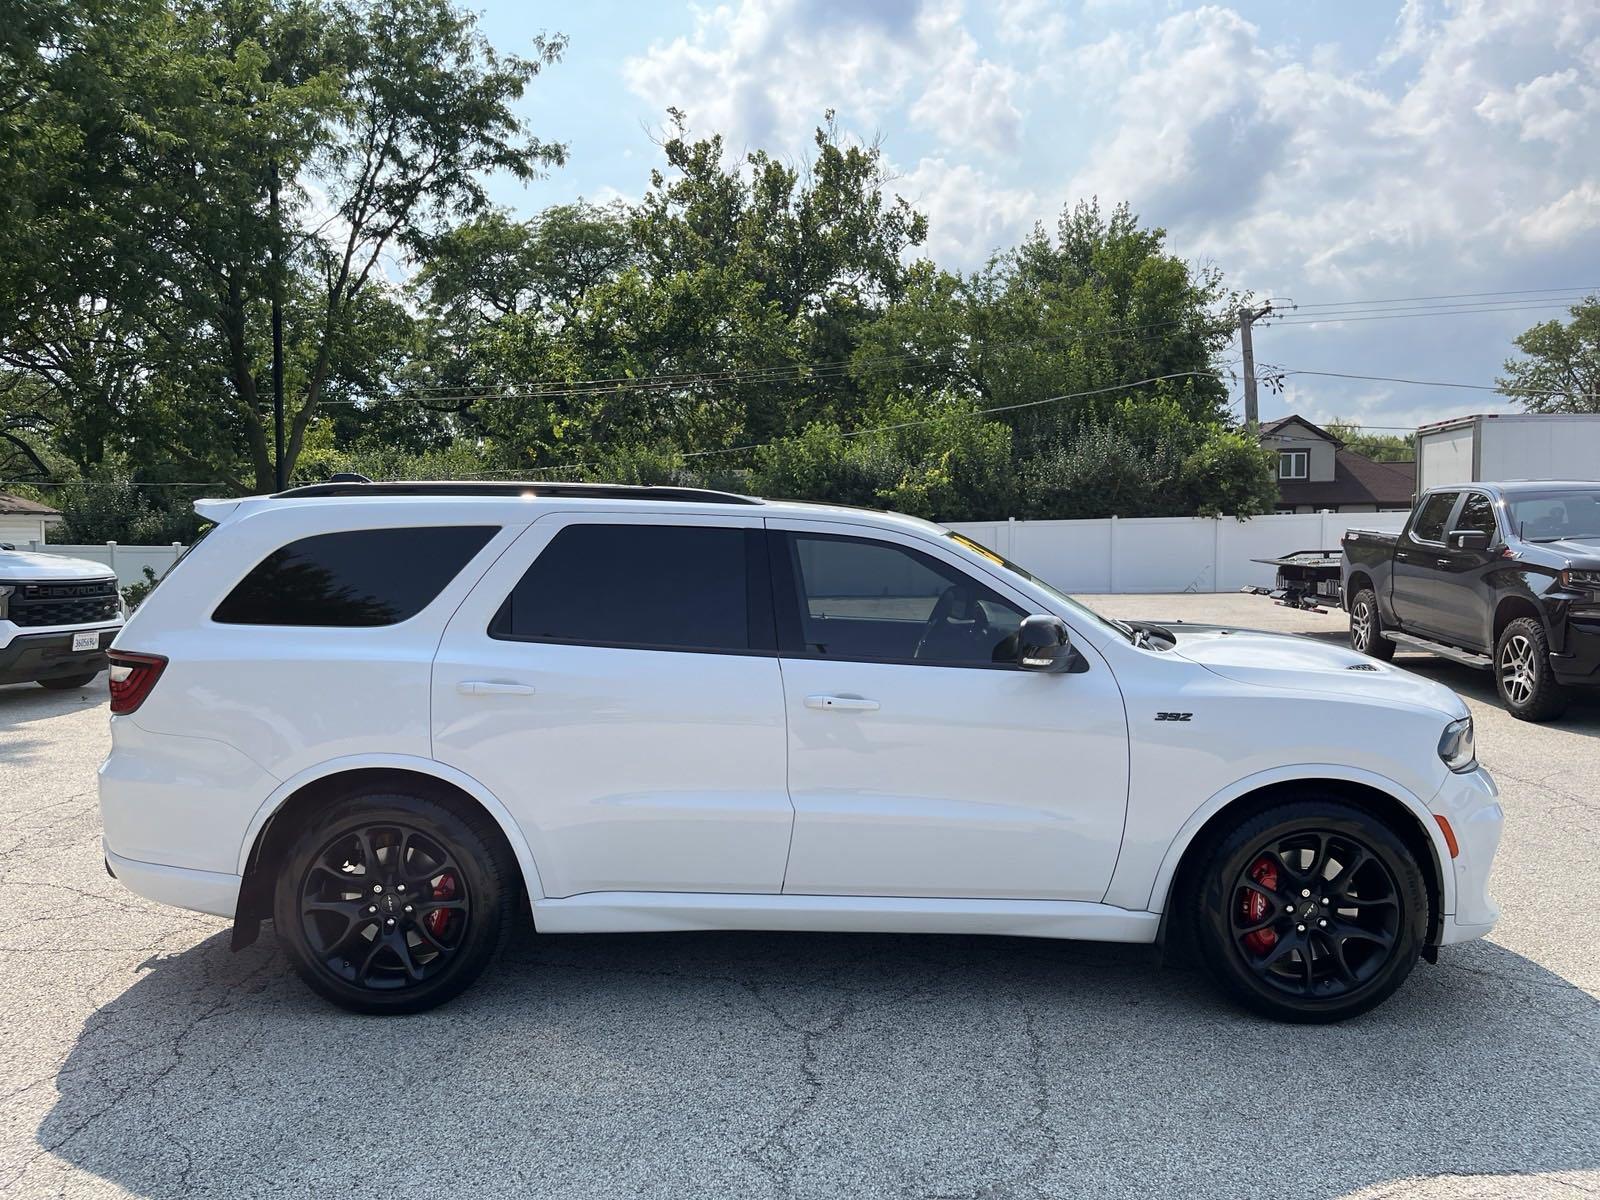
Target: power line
(1475,387)
(1398,316)
(1584,290)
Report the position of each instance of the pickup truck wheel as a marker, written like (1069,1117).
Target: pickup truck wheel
(1312,911)
(65,683)
(1366,627)
(392,903)
(1522,672)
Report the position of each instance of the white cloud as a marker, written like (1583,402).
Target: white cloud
(969,103)
(971,214)
(762,74)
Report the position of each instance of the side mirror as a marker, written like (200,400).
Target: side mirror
(1044,645)
(1467,539)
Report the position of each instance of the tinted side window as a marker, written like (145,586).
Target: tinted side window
(1429,525)
(861,599)
(647,586)
(359,577)
(1478,513)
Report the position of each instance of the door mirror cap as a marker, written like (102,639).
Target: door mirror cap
(1043,644)
(1467,539)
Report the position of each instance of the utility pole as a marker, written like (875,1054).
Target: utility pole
(1252,422)
(277,330)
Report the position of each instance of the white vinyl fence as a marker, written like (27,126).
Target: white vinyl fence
(1134,554)
(1166,554)
(128,562)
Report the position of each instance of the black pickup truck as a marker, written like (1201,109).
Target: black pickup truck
(1504,576)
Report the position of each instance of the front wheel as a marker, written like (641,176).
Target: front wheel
(1313,911)
(1522,673)
(1366,628)
(393,903)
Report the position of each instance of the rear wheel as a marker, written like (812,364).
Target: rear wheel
(1522,673)
(1366,628)
(65,683)
(1312,911)
(393,903)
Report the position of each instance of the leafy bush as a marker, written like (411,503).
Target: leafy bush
(1230,474)
(134,593)
(114,508)
(936,458)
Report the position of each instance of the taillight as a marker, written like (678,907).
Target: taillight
(132,677)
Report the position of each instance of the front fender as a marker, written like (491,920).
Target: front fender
(1305,772)
(399,762)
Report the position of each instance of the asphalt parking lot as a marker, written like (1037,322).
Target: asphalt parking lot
(140,1057)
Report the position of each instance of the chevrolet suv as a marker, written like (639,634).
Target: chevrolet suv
(394,718)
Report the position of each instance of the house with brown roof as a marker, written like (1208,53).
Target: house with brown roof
(1316,472)
(23,521)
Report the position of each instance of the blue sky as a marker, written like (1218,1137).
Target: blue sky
(1328,152)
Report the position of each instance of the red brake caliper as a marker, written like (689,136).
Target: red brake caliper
(444,888)
(1265,872)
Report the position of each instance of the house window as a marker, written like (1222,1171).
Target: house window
(1294,464)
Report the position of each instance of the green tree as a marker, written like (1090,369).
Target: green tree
(1381,447)
(719,310)
(1560,367)
(374,123)
(1100,304)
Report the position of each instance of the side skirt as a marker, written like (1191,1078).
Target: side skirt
(663,912)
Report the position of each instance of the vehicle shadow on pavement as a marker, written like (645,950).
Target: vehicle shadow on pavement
(750,1065)
(24,704)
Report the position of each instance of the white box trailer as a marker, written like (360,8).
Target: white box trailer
(1498,447)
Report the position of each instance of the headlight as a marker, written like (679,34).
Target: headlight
(1457,747)
(1581,579)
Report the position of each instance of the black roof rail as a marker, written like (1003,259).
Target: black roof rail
(468,487)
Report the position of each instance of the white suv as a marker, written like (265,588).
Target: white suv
(381,714)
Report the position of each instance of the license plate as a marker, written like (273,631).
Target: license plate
(86,641)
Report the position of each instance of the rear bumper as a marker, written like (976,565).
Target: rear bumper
(201,891)
(32,656)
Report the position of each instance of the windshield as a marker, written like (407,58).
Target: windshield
(1550,516)
(1087,613)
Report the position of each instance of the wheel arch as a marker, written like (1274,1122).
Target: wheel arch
(1508,609)
(1360,580)
(272,829)
(1397,807)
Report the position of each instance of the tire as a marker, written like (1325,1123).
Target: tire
(1522,672)
(435,912)
(1360,951)
(65,683)
(1366,627)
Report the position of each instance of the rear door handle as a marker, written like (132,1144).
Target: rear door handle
(842,703)
(493,687)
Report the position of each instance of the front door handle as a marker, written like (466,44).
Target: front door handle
(842,703)
(493,687)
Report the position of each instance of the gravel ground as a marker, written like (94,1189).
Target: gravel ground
(140,1057)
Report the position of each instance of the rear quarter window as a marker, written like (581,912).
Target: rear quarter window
(359,577)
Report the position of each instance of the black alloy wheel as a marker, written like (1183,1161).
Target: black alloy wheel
(1315,914)
(1312,911)
(384,906)
(393,903)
